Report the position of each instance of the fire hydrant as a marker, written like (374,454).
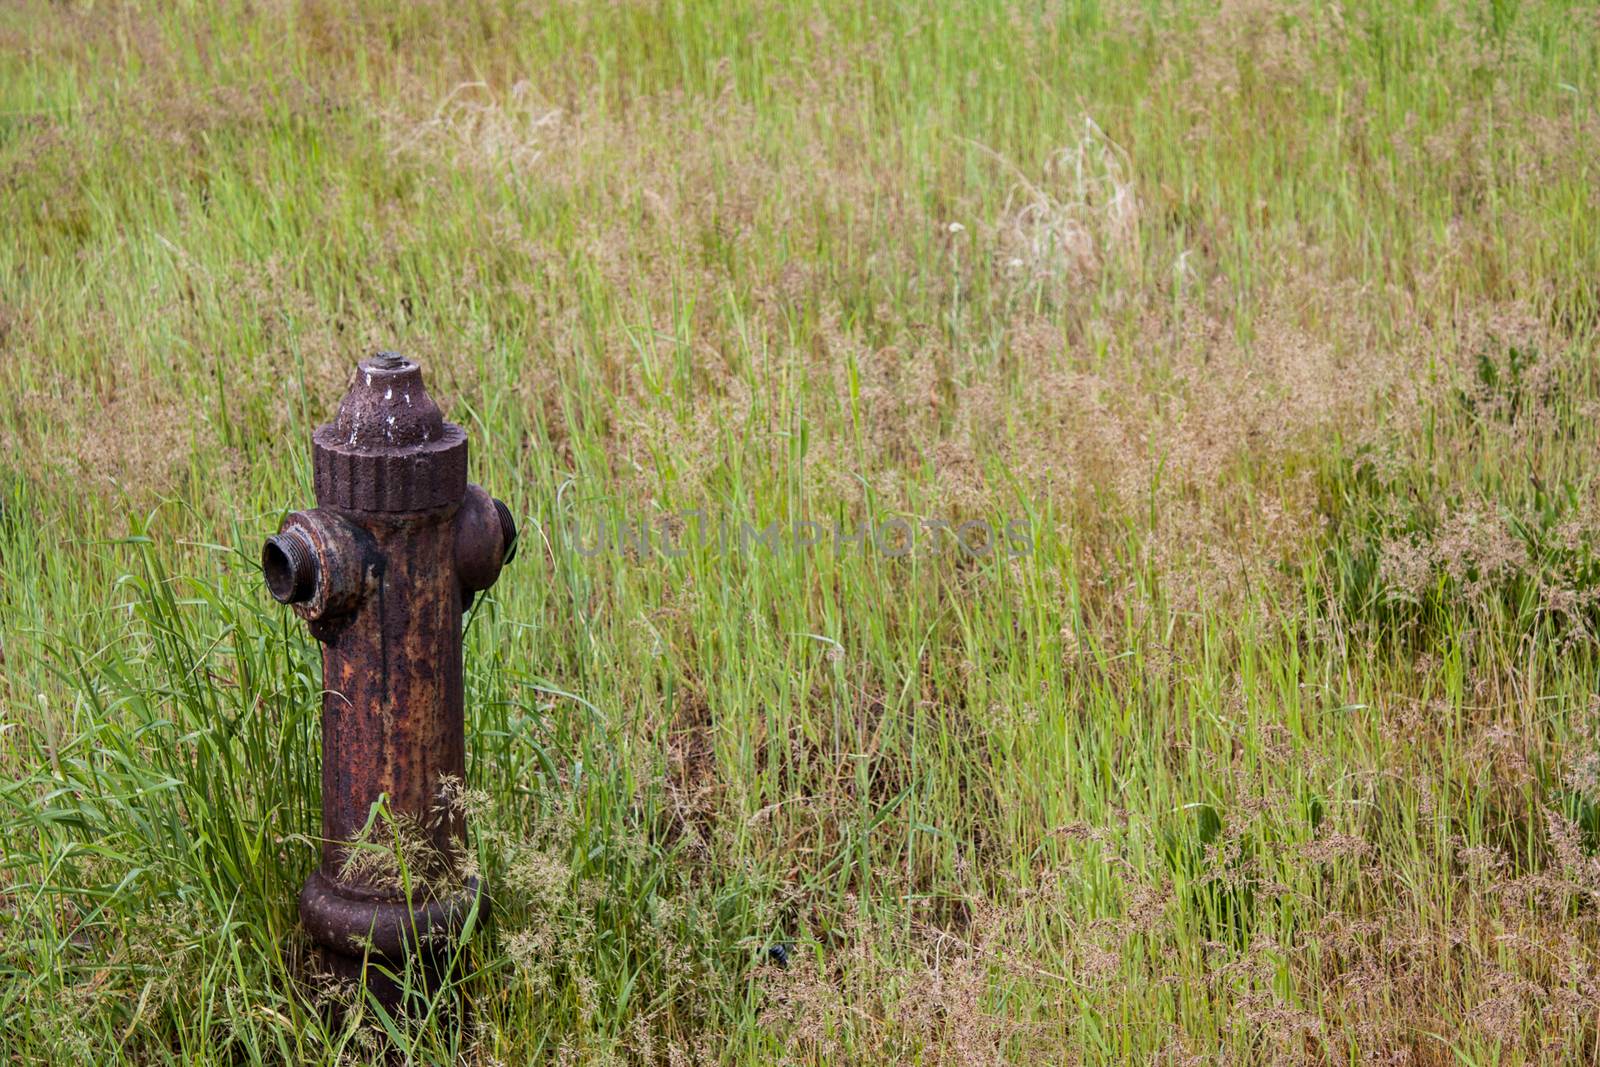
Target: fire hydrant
(382,570)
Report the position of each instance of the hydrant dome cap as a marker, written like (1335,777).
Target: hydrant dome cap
(387,406)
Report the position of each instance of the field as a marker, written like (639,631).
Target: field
(1262,336)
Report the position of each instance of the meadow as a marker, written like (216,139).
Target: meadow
(1272,324)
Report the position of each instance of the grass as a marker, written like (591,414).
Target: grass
(1273,323)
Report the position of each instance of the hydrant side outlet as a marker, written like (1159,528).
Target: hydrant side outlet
(382,570)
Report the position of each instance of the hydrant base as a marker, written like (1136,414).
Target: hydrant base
(384,929)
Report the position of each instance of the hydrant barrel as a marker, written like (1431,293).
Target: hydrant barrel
(382,570)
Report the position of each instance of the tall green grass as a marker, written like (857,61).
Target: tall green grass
(1274,323)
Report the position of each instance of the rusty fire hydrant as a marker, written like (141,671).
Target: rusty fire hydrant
(382,570)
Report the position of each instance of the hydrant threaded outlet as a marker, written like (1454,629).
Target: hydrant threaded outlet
(508,528)
(382,570)
(289,567)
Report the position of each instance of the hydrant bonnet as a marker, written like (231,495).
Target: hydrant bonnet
(390,448)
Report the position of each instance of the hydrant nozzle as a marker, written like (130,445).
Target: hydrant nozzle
(381,570)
